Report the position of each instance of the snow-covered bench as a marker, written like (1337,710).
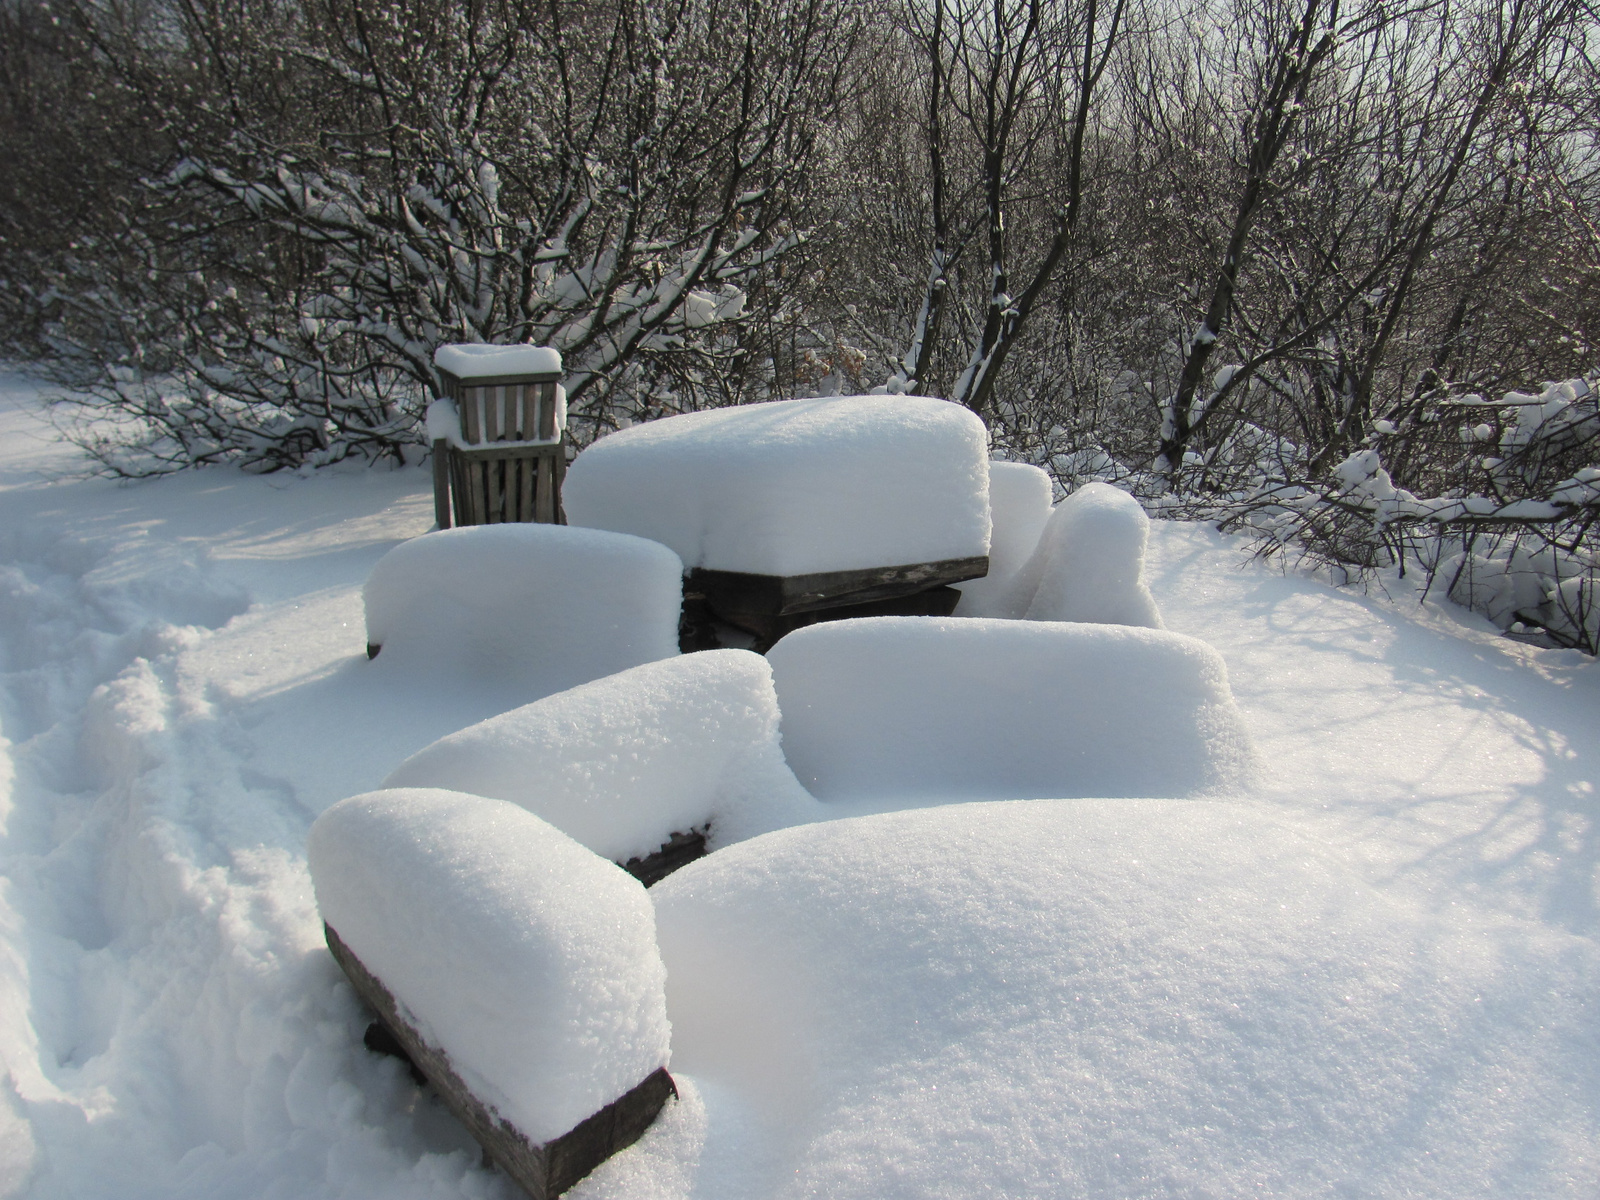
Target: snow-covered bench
(933,709)
(787,510)
(546,605)
(497,435)
(518,971)
(639,767)
(471,905)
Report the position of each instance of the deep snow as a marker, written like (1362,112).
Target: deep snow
(623,763)
(183,689)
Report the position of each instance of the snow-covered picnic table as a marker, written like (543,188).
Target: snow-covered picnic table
(1371,971)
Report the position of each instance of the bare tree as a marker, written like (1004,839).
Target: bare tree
(604,179)
(1018,79)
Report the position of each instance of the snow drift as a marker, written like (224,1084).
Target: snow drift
(949,708)
(530,961)
(1134,998)
(622,763)
(795,487)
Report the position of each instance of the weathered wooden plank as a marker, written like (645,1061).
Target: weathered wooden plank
(477,490)
(547,410)
(543,1170)
(500,451)
(458,486)
(441,483)
(530,410)
(491,413)
(467,406)
(493,472)
(454,385)
(782,595)
(545,505)
(527,473)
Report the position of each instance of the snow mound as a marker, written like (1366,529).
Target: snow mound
(624,762)
(949,708)
(1089,563)
(469,361)
(795,487)
(528,960)
(543,603)
(1134,998)
(1019,507)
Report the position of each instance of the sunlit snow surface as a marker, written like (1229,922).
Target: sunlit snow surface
(183,688)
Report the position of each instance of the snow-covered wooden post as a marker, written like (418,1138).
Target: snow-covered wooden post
(498,435)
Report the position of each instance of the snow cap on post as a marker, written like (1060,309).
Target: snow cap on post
(468,361)
(528,961)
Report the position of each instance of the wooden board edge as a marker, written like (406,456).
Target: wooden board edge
(546,1170)
(783,595)
(455,382)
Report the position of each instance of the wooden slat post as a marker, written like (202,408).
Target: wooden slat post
(524,482)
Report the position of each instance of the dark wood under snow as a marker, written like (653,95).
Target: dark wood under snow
(784,595)
(543,1170)
(766,607)
(679,850)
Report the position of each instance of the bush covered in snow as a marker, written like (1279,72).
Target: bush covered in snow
(1508,527)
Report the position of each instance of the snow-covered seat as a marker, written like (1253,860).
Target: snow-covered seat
(544,605)
(644,767)
(1081,561)
(518,970)
(920,708)
(799,506)
(1019,508)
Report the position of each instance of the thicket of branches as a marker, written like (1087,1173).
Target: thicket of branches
(1326,271)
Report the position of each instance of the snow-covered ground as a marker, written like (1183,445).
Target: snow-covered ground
(183,688)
